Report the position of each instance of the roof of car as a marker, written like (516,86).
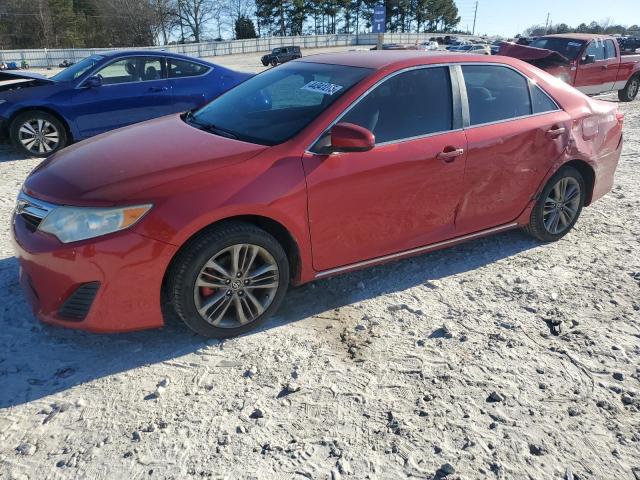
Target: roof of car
(578,36)
(121,53)
(384,58)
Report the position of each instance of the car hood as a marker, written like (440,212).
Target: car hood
(540,57)
(136,163)
(18,80)
(13,75)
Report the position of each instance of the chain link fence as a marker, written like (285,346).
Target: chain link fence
(53,57)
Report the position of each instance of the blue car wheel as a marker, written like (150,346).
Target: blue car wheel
(37,134)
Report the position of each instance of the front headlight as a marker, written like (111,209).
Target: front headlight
(71,224)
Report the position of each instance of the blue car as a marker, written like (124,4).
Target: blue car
(103,92)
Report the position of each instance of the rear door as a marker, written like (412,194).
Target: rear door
(402,194)
(133,89)
(515,133)
(597,77)
(192,84)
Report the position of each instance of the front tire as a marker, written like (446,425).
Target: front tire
(558,207)
(228,280)
(274,62)
(630,90)
(37,134)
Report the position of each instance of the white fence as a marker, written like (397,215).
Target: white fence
(53,57)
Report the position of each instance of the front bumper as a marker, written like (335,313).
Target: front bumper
(128,267)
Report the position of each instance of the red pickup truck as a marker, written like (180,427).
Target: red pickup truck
(591,63)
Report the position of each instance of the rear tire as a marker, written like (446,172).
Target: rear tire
(558,207)
(239,299)
(630,90)
(37,134)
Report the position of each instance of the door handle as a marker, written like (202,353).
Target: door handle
(449,154)
(158,89)
(556,132)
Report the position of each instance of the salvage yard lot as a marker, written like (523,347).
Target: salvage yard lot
(447,358)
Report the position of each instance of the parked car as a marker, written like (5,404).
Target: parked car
(591,63)
(320,166)
(281,55)
(430,46)
(629,45)
(457,45)
(103,92)
(495,47)
(475,49)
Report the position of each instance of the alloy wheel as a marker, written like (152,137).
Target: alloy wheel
(39,136)
(561,205)
(236,285)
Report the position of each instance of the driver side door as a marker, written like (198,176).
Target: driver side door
(403,193)
(133,89)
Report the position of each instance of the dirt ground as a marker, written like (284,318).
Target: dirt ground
(444,365)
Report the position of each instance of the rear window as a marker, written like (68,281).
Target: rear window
(609,49)
(495,93)
(183,68)
(541,101)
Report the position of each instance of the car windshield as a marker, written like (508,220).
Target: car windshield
(273,106)
(74,71)
(567,47)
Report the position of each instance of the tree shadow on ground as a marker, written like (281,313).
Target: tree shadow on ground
(37,360)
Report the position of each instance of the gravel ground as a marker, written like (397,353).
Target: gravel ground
(500,358)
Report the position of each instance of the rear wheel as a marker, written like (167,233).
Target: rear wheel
(558,207)
(229,280)
(630,90)
(37,134)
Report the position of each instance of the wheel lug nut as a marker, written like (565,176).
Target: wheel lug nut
(227,281)
(239,274)
(228,292)
(246,282)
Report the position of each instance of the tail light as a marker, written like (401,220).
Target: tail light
(590,128)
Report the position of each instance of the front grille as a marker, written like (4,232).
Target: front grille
(31,221)
(32,210)
(77,306)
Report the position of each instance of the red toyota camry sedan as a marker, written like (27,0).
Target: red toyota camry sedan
(320,166)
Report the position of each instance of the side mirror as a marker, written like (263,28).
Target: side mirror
(589,59)
(347,137)
(93,82)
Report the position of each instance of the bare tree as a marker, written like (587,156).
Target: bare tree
(166,19)
(194,15)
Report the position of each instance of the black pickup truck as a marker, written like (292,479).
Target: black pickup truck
(281,55)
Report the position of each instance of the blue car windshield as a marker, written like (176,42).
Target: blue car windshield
(74,71)
(273,106)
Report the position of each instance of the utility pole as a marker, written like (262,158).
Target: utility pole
(180,17)
(546,25)
(475,14)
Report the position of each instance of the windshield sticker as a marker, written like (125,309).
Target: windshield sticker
(575,44)
(324,88)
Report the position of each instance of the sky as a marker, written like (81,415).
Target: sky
(508,17)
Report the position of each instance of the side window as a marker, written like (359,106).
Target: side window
(150,68)
(596,48)
(610,49)
(541,101)
(495,93)
(182,68)
(121,71)
(410,104)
